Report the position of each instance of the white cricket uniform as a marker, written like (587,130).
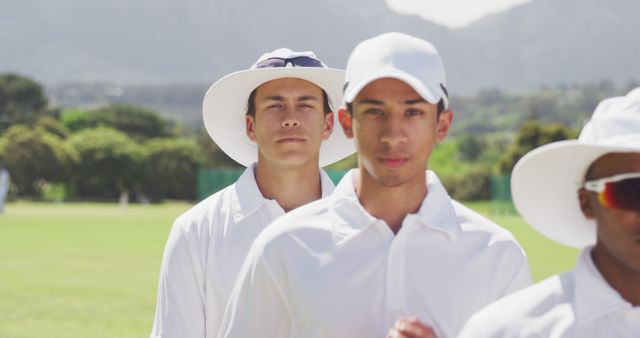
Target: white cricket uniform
(330,269)
(204,252)
(576,304)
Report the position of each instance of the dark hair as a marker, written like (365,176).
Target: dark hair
(589,174)
(251,103)
(440,108)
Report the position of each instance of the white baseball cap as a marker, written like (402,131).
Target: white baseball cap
(400,56)
(545,182)
(225,104)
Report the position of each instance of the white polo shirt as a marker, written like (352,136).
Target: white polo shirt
(578,303)
(330,269)
(204,252)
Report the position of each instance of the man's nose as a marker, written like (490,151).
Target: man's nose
(290,118)
(394,134)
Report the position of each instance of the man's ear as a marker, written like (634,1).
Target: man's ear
(344,116)
(586,203)
(327,125)
(444,124)
(250,127)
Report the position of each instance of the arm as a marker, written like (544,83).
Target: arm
(180,307)
(258,306)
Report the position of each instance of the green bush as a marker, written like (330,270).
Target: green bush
(52,126)
(76,120)
(470,147)
(54,192)
(214,157)
(111,163)
(34,155)
(140,123)
(532,135)
(473,186)
(170,168)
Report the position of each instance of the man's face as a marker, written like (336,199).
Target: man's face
(395,130)
(289,123)
(618,231)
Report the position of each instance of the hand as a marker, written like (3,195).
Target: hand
(410,328)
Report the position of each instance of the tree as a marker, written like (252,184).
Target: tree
(531,136)
(34,156)
(110,163)
(52,126)
(171,168)
(469,147)
(22,100)
(471,186)
(213,155)
(140,123)
(76,120)
(557,132)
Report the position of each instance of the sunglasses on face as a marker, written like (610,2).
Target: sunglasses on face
(618,192)
(298,61)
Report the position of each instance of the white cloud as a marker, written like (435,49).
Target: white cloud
(452,13)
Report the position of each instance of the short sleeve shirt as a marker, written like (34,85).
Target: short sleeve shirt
(578,303)
(203,255)
(330,269)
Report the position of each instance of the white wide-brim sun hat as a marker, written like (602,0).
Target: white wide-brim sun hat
(545,182)
(225,107)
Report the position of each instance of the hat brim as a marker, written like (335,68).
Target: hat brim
(225,106)
(431,95)
(545,184)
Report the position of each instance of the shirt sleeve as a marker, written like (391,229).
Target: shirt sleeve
(258,306)
(477,326)
(180,307)
(521,278)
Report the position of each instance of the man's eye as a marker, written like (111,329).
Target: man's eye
(374,111)
(275,106)
(413,112)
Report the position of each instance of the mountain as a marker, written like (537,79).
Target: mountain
(148,41)
(547,42)
(543,42)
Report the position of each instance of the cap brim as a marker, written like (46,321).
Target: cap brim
(431,95)
(225,106)
(544,188)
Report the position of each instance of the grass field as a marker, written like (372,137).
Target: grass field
(90,270)
(81,270)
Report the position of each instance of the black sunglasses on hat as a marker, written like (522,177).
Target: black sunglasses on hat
(298,61)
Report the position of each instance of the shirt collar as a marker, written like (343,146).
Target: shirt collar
(594,297)
(248,197)
(349,217)
(437,211)
(326,184)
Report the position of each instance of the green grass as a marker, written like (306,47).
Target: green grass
(81,270)
(90,270)
(546,258)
